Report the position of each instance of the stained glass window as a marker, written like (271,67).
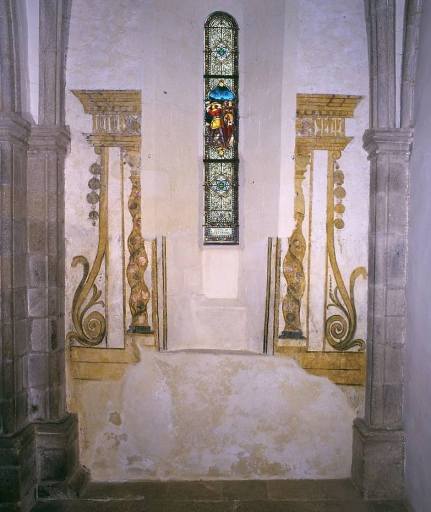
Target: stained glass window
(221,130)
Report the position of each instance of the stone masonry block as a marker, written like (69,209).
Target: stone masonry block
(8,376)
(393,363)
(378,292)
(38,404)
(52,300)
(397,213)
(37,264)
(376,415)
(21,408)
(396,330)
(393,402)
(37,235)
(21,337)
(377,363)
(382,171)
(381,210)
(37,302)
(6,295)
(53,464)
(20,235)
(377,334)
(20,303)
(38,370)
(378,462)
(397,247)
(53,334)
(39,334)
(398,177)
(396,302)
(380,260)
(9,484)
(53,266)
(57,448)
(53,235)
(19,264)
(18,470)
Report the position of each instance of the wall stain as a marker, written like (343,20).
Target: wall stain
(115,418)
(197,415)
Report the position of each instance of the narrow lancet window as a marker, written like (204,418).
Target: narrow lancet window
(221,130)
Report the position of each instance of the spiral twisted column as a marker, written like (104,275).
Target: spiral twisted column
(293,268)
(139,292)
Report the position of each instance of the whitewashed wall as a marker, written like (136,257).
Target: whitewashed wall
(418,359)
(188,415)
(216,294)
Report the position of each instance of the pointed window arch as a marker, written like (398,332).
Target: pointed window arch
(221,130)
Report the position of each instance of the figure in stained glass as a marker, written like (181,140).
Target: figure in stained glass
(220,117)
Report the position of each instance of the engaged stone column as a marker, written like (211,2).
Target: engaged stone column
(378,440)
(378,445)
(17,441)
(56,430)
(45,205)
(38,440)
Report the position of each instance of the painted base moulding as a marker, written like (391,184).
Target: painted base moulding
(346,368)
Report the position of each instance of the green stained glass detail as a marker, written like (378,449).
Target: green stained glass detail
(220,185)
(222,51)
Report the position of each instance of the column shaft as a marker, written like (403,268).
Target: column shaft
(47,150)
(378,446)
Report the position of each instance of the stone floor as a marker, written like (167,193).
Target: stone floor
(220,496)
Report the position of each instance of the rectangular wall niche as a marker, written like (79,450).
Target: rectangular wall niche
(221,130)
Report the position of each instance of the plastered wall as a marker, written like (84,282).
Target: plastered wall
(418,377)
(191,415)
(216,294)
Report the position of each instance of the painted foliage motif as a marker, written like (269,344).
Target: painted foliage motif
(221,130)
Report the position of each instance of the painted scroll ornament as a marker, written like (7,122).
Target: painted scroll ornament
(340,328)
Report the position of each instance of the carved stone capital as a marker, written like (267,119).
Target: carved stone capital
(378,461)
(14,128)
(395,141)
(50,138)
